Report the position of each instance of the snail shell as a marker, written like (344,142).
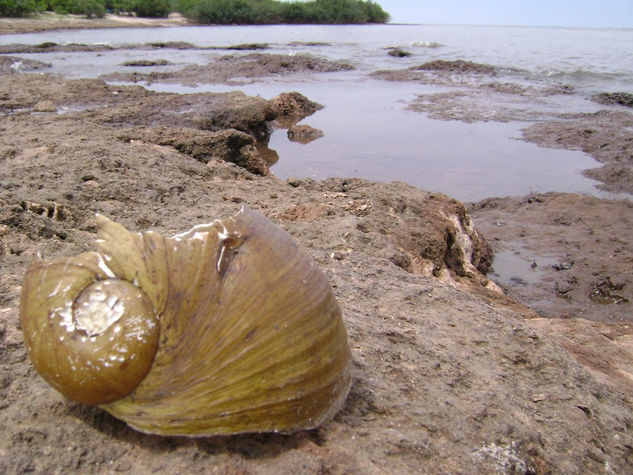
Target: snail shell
(226,328)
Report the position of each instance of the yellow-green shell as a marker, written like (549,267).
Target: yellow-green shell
(250,337)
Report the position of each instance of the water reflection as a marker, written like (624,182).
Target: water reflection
(513,268)
(270,156)
(368,133)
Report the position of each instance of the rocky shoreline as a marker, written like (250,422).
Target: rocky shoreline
(451,374)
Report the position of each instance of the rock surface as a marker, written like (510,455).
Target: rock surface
(562,276)
(231,127)
(14,64)
(304,134)
(620,98)
(448,375)
(605,349)
(456,66)
(238,69)
(398,53)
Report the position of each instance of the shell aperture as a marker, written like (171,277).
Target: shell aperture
(244,334)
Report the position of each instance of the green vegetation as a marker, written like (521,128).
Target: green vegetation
(142,8)
(18,8)
(271,11)
(90,8)
(213,11)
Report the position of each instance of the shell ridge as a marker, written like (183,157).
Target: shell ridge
(219,399)
(298,395)
(230,361)
(188,244)
(194,251)
(268,408)
(268,405)
(151,241)
(310,349)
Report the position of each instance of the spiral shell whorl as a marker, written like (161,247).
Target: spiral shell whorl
(92,337)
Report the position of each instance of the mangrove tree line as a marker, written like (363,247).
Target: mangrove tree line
(213,11)
(271,11)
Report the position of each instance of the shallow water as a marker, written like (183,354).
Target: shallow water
(519,268)
(592,56)
(368,131)
(370,134)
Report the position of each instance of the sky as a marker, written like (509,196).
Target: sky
(575,13)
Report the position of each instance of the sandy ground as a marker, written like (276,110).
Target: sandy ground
(451,375)
(51,21)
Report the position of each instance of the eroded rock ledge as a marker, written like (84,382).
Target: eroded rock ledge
(229,126)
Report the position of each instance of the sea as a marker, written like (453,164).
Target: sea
(370,130)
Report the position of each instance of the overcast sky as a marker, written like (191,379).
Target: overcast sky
(592,13)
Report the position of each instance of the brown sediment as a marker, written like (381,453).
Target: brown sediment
(577,245)
(146,62)
(52,47)
(440,72)
(606,134)
(206,126)
(448,374)
(569,255)
(398,53)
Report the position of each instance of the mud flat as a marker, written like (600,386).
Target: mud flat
(450,373)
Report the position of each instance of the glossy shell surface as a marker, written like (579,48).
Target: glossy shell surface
(224,329)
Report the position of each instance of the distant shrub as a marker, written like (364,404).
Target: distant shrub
(151,8)
(98,8)
(234,11)
(61,7)
(214,11)
(18,8)
(271,11)
(90,8)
